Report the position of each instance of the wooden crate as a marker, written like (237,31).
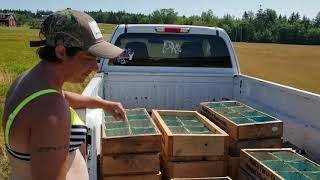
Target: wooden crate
(236,146)
(126,164)
(135,177)
(179,147)
(254,162)
(254,130)
(143,143)
(131,153)
(233,164)
(194,169)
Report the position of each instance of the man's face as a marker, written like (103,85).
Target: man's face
(81,65)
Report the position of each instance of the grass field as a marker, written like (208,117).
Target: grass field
(293,65)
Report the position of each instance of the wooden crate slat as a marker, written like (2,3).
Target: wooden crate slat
(192,158)
(236,146)
(194,169)
(198,145)
(260,130)
(243,175)
(131,144)
(243,131)
(126,164)
(233,166)
(135,177)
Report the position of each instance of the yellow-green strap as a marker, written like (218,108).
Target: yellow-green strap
(75,119)
(20,106)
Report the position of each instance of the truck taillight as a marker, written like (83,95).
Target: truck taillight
(172,29)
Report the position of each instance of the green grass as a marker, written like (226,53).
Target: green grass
(293,65)
(4,162)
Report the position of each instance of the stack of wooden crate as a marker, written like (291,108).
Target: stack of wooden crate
(246,126)
(276,164)
(130,149)
(192,146)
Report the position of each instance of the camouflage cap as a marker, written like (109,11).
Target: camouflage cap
(72,28)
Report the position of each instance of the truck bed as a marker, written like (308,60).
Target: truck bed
(299,110)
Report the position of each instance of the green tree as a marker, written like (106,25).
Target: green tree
(164,16)
(317,20)
(208,18)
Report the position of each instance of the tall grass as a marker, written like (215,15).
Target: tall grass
(293,65)
(4,162)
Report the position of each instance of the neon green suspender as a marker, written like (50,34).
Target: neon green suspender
(20,106)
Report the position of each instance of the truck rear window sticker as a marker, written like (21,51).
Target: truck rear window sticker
(170,47)
(126,56)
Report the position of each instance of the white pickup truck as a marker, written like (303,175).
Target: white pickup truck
(178,67)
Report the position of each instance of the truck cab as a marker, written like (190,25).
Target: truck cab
(178,67)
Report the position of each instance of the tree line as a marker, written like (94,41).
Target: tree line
(265,25)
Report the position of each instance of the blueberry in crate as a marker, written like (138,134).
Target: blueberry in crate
(117,132)
(173,123)
(187,117)
(136,116)
(240,108)
(278,165)
(241,120)
(140,123)
(231,104)
(139,130)
(232,115)
(287,156)
(304,165)
(262,156)
(198,130)
(312,175)
(192,123)
(262,118)
(116,124)
(251,113)
(214,105)
(178,130)
(293,175)
(169,117)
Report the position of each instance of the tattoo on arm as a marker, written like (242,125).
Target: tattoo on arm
(52,148)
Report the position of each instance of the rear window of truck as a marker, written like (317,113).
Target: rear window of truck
(172,50)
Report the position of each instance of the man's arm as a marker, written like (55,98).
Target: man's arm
(49,140)
(79,101)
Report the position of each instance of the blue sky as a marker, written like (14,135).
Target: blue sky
(184,7)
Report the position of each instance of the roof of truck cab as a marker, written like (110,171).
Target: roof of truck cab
(150,28)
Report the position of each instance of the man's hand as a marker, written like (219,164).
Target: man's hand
(115,109)
(80,101)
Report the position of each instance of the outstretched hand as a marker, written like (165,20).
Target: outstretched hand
(115,109)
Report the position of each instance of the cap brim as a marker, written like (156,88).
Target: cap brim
(105,50)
